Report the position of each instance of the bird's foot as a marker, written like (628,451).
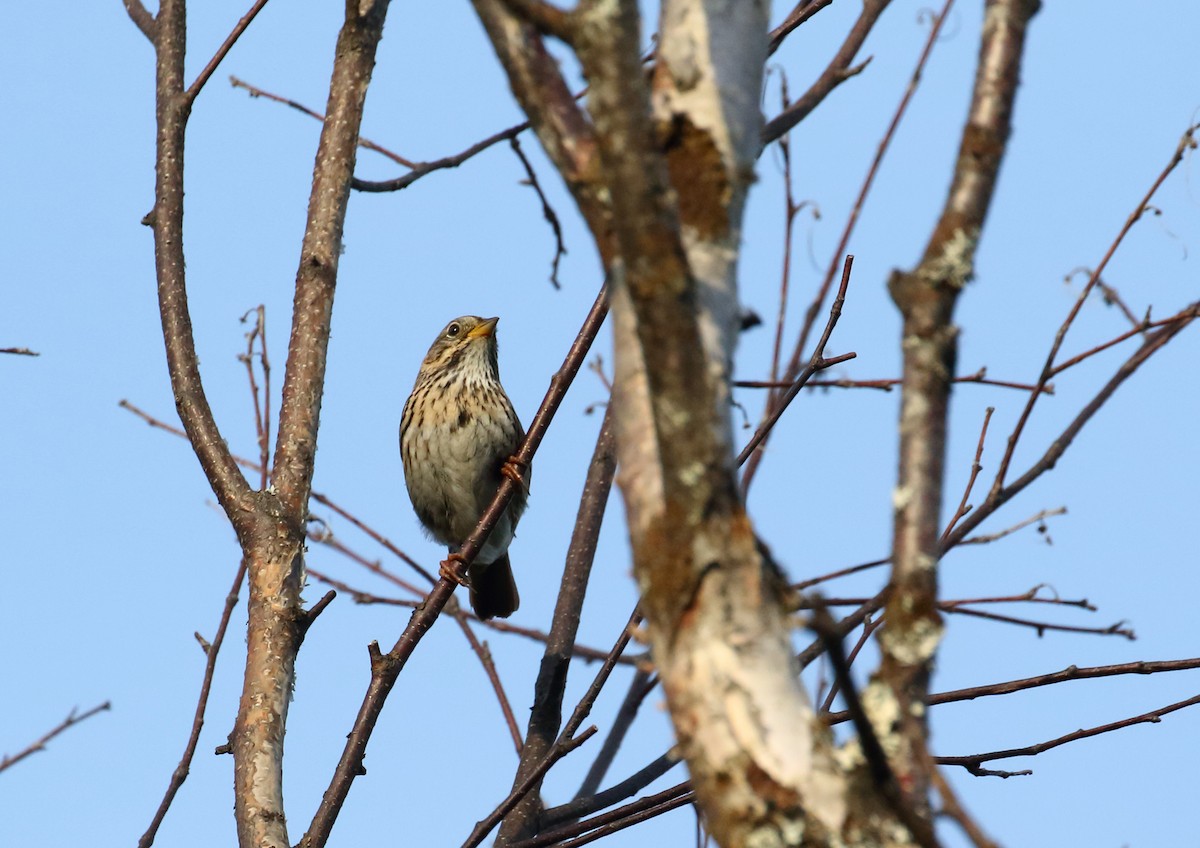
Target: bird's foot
(514,469)
(453,568)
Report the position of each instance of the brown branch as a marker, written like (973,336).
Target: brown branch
(73,718)
(800,13)
(545,718)
(547,210)
(1140,329)
(1186,143)
(365,143)
(925,298)
(1041,627)
(166,218)
(275,546)
(628,787)
(1153,342)
(142,18)
(534,779)
(19,351)
(607,823)
(211,649)
(639,687)
(564,131)
(222,51)
(816,362)
(1071,672)
(386,668)
(1036,518)
(974,762)
(886,385)
(262,406)
(814,308)
(489,668)
(976,467)
(545,17)
(838,71)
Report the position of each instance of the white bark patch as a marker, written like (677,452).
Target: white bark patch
(956,264)
(916,645)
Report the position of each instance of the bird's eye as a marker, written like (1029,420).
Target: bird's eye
(452,330)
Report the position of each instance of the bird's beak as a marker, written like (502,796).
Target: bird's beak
(484,330)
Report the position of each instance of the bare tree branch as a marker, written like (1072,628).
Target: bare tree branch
(223,51)
(211,649)
(545,719)
(839,71)
(73,718)
(926,297)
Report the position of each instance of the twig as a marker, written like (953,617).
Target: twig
(639,687)
(1187,142)
(489,668)
(886,385)
(210,664)
(545,718)
(814,308)
(636,782)
(557,752)
(365,143)
(547,210)
(816,362)
(838,71)
(976,467)
(73,718)
(613,820)
(802,11)
(222,51)
(19,351)
(973,763)
(1118,629)
(988,538)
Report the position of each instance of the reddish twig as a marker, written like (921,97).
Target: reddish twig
(988,538)
(211,649)
(557,752)
(976,467)
(548,212)
(816,362)
(838,71)
(73,718)
(222,51)
(800,13)
(1187,142)
(814,308)
(489,668)
(364,143)
(973,763)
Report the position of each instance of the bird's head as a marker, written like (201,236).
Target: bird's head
(467,346)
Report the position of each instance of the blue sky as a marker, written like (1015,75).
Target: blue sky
(113,554)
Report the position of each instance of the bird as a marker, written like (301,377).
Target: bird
(458,436)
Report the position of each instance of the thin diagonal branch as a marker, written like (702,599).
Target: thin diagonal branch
(73,718)
(545,718)
(222,51)
(211,649)
(838,71)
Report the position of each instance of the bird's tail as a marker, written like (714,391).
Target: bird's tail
(493,589)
